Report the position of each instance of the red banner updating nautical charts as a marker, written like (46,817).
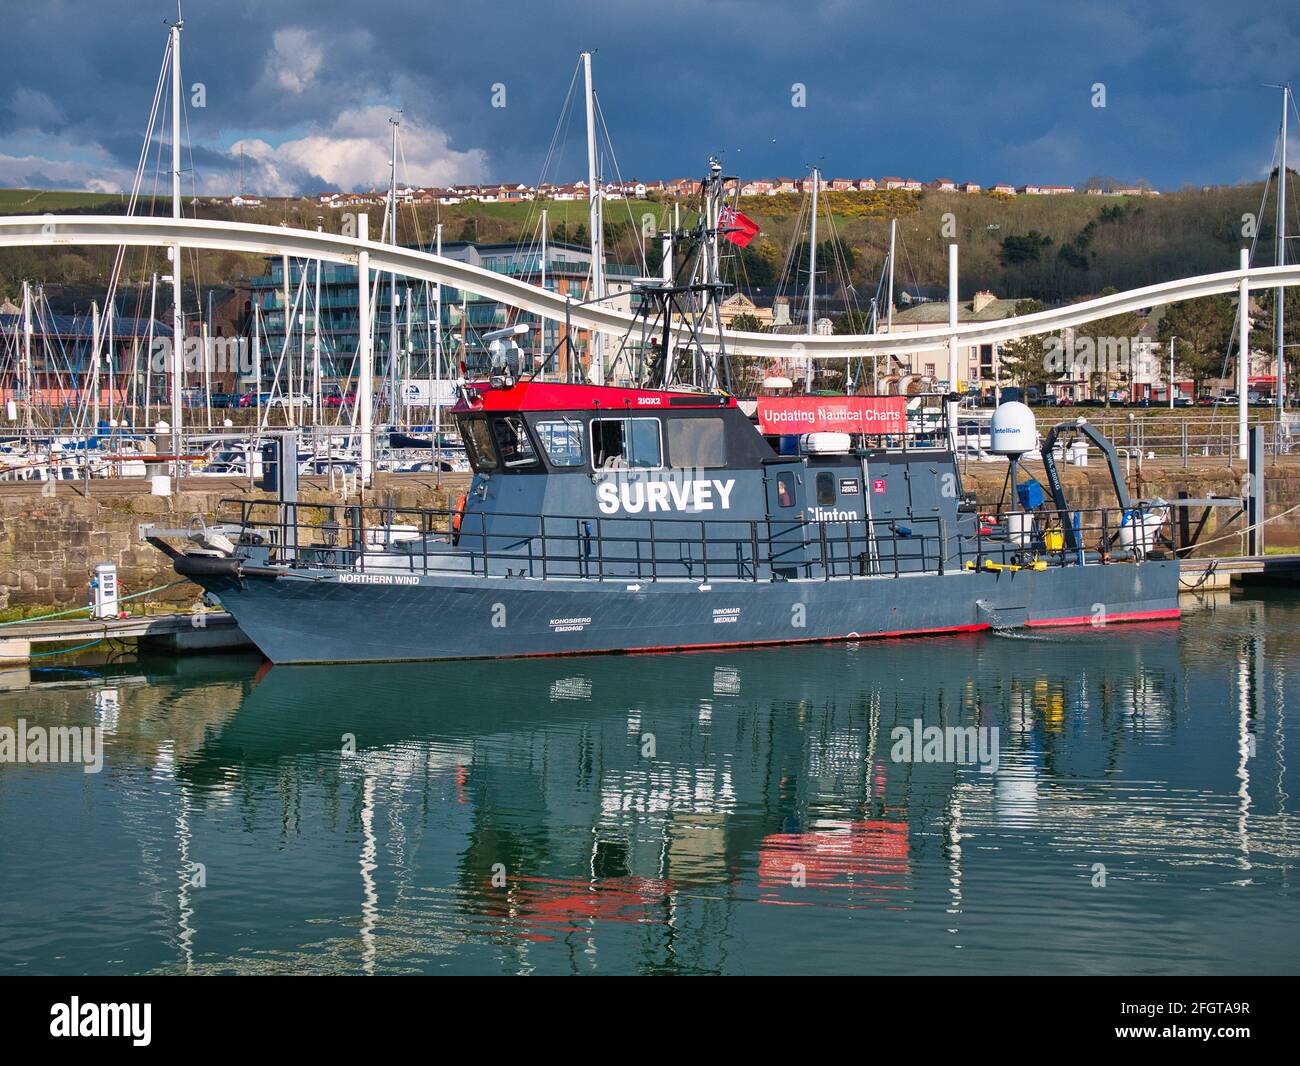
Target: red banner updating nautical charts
(832,414)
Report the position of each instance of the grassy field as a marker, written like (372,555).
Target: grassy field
(36,201)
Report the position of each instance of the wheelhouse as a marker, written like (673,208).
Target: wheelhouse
(578,429)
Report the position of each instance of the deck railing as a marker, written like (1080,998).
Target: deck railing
(425,541)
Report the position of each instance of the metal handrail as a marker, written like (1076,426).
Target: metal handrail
(559,546)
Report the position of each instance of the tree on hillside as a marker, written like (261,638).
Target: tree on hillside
(1100,182)
(1261,334)
(854,321)
(1023,247)
(746,323)
(1203,329)
(1112,339)
(758,263)
(1024,360)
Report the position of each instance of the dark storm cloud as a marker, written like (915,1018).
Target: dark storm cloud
(987,92)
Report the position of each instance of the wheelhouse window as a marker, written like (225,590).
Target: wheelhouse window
(626,443)
(478,444)
(562,441)
(513,442)
(785,489)
(696,442)
(826,489)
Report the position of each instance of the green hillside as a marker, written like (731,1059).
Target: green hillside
(1051,248)
(37,201)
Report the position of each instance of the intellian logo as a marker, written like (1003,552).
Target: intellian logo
(102,1019)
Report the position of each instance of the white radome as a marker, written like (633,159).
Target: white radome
(1014,429)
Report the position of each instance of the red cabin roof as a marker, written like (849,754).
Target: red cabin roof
(561,396)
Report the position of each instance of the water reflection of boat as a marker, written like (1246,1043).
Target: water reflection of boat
(615,813)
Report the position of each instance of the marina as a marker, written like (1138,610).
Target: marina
(1128,746)
(437,541)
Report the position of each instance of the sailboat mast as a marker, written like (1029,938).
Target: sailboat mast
(812,277)
(148,363)
(889,307)
(257,360)
(541,322)
(594,221)
(206,333)
(178,317)
(94,364)
(108,355)
(437,344)
(1279,340)
(392,278)
(315,346)
(27,355)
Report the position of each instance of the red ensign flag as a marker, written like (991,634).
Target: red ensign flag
(738,229)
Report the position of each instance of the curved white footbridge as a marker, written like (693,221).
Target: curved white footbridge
(367,255)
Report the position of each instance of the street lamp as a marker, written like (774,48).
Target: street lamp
(1171,372)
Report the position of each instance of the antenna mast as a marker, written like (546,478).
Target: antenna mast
(597,370)
(178,316)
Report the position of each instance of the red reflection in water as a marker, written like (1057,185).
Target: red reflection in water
(541,908)
(861,855)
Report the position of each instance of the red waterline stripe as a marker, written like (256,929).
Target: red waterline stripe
(1126,616)
(661,648)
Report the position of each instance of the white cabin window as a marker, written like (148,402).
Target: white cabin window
(696,443)
(626,443)
(562,440)
(513,443)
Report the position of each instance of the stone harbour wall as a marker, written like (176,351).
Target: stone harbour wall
(51,544)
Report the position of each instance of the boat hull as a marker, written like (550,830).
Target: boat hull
(323,617)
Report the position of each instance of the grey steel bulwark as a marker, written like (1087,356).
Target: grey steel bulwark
(602,519)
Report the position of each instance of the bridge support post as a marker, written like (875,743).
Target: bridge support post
(1243,353)
(365,356)
(1255,494)
(952,345)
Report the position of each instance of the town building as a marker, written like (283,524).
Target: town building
(465,316)
(740,304)
(978,364)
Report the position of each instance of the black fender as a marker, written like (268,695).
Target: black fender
(206,566)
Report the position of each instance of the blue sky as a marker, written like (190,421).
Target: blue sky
(994,91)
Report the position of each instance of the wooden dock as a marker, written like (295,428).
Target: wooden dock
(1245,571)
(202,631)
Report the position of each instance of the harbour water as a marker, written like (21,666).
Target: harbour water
(730,812)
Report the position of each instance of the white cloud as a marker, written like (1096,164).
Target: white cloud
(41,172)
(33,109)
(295,59)
(352,152)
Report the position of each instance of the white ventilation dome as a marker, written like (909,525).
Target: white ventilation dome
(1014,430)
(827,443)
